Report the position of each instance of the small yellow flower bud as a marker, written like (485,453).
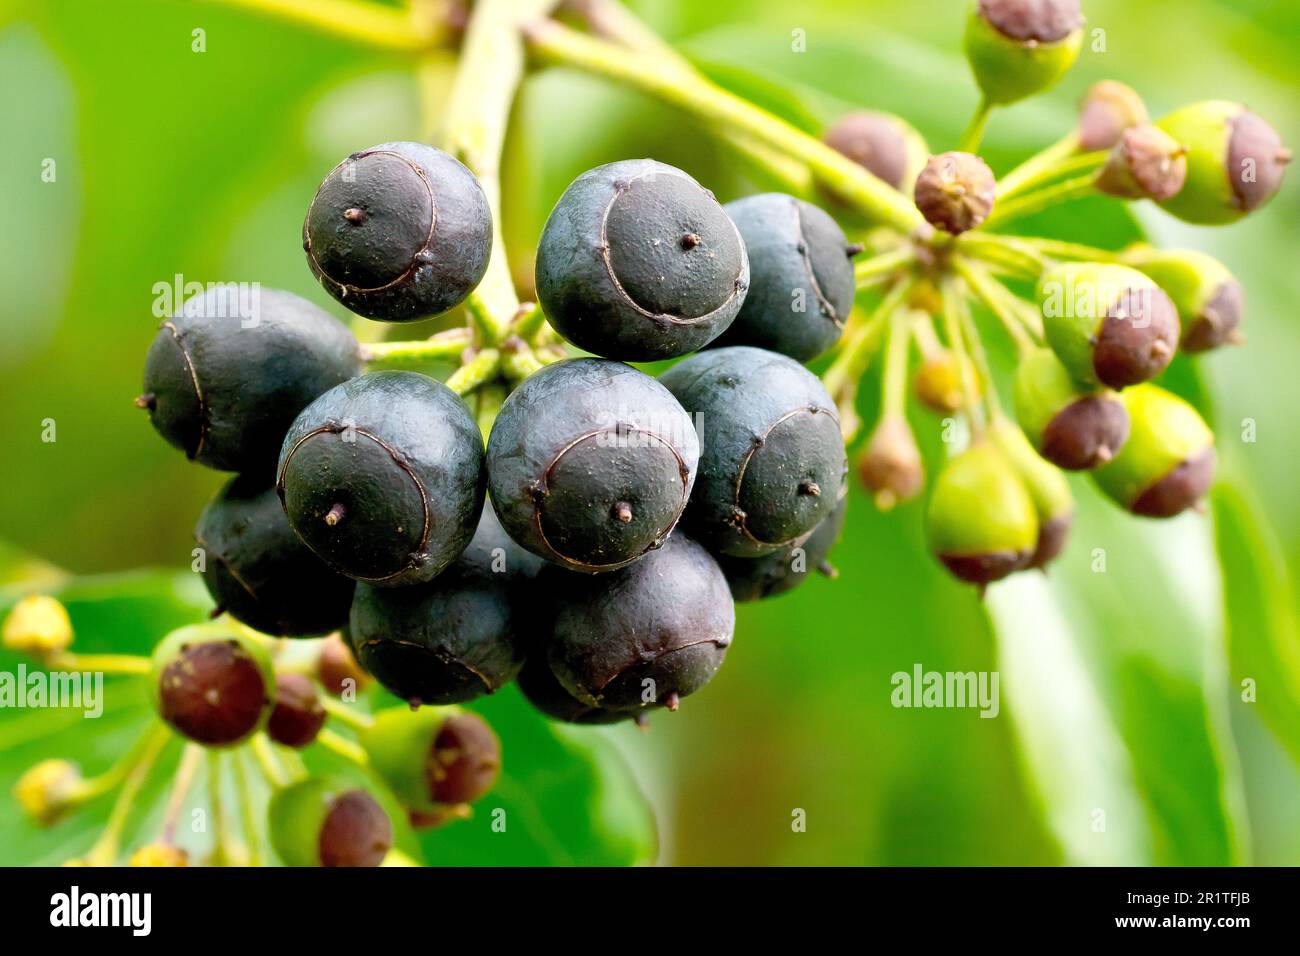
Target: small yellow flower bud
(38,625)
(159,854)
(46,791)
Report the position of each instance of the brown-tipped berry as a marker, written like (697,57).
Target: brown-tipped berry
(297,716)
(326,822)
(1108,109)
(1046,485)
(955,191)
(1146,163)
(1167,464)
(1108,323)
(212,684)
(883,144)
(1074,427)
(1020,47)
(1209,299)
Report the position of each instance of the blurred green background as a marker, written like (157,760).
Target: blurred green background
(1122,737)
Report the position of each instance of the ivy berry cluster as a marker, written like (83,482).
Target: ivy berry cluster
(582,527)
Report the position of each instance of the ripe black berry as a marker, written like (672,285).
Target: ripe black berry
(647,634)
(325,822)
(297,716)
(752,579)
(382,477)
(258,571)
(212,685)
(639,262)
(456,637)
(537,682)
(772,457)
(398,232)
(590,463)
(802,277)
(227,374)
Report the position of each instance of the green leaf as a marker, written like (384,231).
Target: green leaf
(1263,636)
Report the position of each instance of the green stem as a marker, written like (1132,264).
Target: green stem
(446,346)
(975,347)
(965,364)
(611,20)
(528,322)
(265,757)
(106,848)
(1029,203)
(368,23)
(882,266)
(1067,146)
(999,300)
(345,748)
(490,399)
(558,45)
(1070,251)
(1070,166)
(480,369)
(974,135)
(247,815)
(345,714)
(222,851)
(191,757)
(102,663)
(474,131)
(861,342)
(893,380)
(1003,251)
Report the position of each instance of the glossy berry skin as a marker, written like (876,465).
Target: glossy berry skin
(212,685)
(433,756)
(259,572)
(591,463)
(771,449)
(1017,48)
(1235,162)
(399,232)
(1167,464)
(540,688)
(648,634)
(1108,323)
(752,579)
(382,477)
(638,261)
(456,637)
(1075,427)
(981,520)
(297,716)
(226,375)
(328,822)
(801,268)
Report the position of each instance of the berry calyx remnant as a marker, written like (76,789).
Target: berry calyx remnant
(955,191)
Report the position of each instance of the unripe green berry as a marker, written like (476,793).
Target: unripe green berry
(886,145)
(1017,48)
(1108,109)
(981,522)
(1073,427)
(1146,163)
(212,684)
(1235,161)
(1108,323)
(1046,485)
(1208,298)
(325,822)
(1168,462)
(433,756)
